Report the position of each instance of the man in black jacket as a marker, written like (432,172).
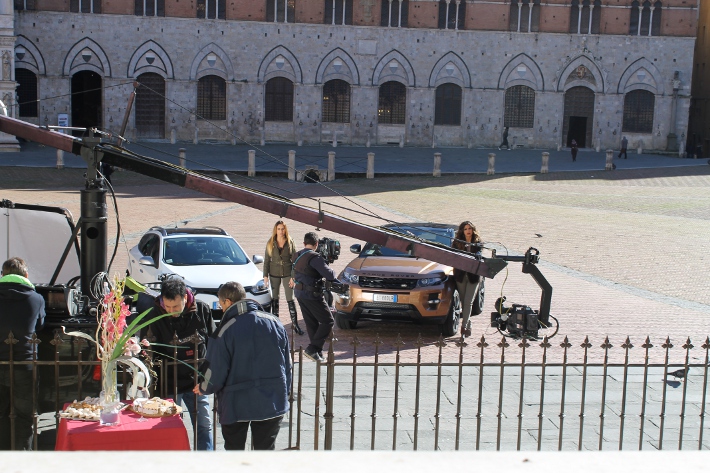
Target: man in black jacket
(190,316)
(22,313)
(309,269)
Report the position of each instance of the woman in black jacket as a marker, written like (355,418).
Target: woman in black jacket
(467,239)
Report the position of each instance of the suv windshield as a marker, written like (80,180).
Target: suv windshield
(201,250)
(440,235)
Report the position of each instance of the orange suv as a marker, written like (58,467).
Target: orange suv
(388,285)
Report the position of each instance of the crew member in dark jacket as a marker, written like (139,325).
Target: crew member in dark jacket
(467,239)
(249,368)
(22,313)
(190,316)
(309,270)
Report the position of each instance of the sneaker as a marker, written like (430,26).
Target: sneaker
(313,355)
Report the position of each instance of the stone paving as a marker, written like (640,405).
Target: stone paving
(625,251)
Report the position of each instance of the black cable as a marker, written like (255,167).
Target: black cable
(118,221)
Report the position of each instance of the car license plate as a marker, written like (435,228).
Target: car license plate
(384,297)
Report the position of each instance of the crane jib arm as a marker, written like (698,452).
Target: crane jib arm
(487,267)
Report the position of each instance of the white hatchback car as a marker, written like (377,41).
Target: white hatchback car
(204,257)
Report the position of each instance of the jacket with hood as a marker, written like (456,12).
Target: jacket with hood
(248,365)
(22,313)
(196,317)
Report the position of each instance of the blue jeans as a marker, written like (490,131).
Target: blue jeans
(202,417)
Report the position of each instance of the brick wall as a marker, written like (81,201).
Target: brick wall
(555,17)
(679,22)
(118,7)
(181,8)
(53,5)
(310,12)
(424,14)
(367,13)
(246,10)
(487,17)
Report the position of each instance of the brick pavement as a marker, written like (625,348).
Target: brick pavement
(626,252)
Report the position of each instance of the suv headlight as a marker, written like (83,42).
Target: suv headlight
(426,282)
(259,287)
(350,278)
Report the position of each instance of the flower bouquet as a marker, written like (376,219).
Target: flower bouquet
(117,342)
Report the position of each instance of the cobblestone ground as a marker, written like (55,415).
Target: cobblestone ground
(626,252)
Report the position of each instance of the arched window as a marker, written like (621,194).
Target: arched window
(281,11)
(394,13)
(638,111)
(585,16)
(336,101)
(278,100)
(452,14)
(392,104)
(645,19)
(150,7)
(448,105)
(212,9)
(26,92)
(338,12)
(212,98)
(524,16)
(519,107)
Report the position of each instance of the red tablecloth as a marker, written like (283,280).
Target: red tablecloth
(164,433)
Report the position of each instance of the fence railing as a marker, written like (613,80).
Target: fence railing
(501,394)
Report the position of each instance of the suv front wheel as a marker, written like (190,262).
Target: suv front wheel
(450,327)
(343,323)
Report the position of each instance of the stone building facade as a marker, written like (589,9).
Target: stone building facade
(445,73)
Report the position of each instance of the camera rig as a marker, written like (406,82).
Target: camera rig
(329,249)
(517,320)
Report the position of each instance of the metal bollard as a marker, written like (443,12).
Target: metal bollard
(331,165)
(292,165)
(367,145)
(251,169)
(181,154)
(437,164)
(401,140)
(263,137)
(370,165)
(491,164)
(173,136)
(196,140)
(433,141)
(639,150)
(545,162)
(609,160)
(335,139)
(60,159)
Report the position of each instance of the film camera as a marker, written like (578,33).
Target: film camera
(520,320)
(329,249)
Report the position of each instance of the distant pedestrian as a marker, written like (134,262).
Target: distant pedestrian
(574,150)
(505,140)
(624,145)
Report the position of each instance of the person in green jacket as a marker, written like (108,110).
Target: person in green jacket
(279,256)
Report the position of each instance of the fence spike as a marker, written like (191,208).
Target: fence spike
(668,343)
(565,343)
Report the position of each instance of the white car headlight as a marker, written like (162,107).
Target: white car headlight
(426,282)
(350,278)
(259,287)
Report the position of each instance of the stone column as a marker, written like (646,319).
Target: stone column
(7,81)
(292,165)
(437,164)
(672,139)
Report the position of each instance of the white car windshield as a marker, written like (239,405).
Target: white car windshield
(202,250)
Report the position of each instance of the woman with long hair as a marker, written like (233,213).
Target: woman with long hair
(279,257)
(467,239)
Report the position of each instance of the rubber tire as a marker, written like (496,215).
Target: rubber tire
(480,299)
(451,325)
(343,323)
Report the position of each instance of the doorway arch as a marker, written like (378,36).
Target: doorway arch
(86,100)
(150,106)
(579,116)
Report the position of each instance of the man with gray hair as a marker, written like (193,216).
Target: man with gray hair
(22,313)
(248,367)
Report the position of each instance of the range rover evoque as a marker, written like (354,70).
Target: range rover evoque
(388,285)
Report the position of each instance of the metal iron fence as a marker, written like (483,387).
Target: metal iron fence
(499,395)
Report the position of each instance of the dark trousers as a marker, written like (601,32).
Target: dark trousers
(318,319)
(24,414)
(623,151)
(263,434)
